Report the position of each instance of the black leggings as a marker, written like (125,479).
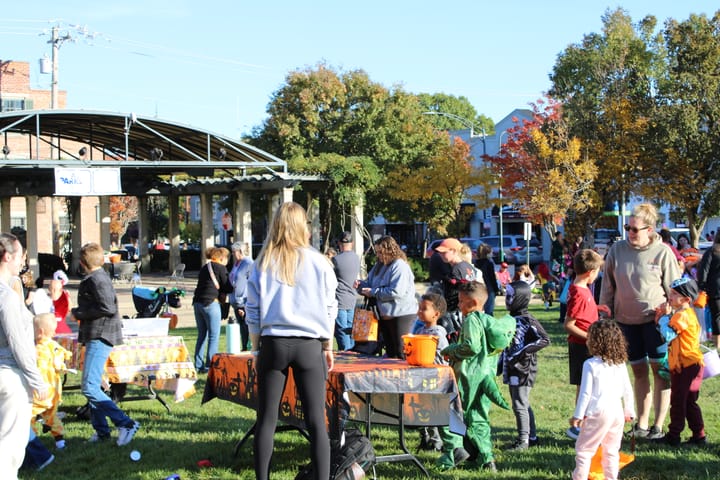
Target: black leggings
(392,330)
(309,368)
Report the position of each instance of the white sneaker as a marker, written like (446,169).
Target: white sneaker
(126,434)
(60,444)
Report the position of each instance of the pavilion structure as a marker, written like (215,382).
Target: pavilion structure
(147,157)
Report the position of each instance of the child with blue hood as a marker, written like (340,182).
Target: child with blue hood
(519,361)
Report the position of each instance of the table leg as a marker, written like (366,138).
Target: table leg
(401,457)
(151,395)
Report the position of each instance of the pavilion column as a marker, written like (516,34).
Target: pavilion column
(5,214)
(104,214)
(173,232)
(75,212)
(277,199)
(143,240)
(207,229)
(356,229)
(31,229)
(243,220)
(313,214)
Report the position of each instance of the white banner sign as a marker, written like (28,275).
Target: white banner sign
(87,181)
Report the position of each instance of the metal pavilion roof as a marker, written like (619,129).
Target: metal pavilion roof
(149,151)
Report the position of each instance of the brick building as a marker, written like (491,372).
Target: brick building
(52,217)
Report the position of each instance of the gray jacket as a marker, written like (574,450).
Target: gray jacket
(393,286)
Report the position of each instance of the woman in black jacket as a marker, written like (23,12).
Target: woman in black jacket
(708,276)
(485,264)
(212,287)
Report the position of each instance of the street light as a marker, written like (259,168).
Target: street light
(500,212)
(466,122)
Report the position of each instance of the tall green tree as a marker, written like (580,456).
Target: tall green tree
(646,105)
(686,126)
(332,122)
(606,84)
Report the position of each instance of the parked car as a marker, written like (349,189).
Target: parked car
(676,232)
(604,237)
(512,244)
(534,253)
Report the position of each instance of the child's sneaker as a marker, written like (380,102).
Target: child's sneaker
(60,444)
(638,432)
(667,440)
(518,445)
(460,455)
(573,432)
(126,434)
(654,433)
(696,441)
(533,441)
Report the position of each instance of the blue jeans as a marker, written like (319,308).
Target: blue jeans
(207,320)
(343,329)
(490,304)
(101,406)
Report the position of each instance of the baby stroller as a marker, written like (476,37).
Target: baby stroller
(150,302)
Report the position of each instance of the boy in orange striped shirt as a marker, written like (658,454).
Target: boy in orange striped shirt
(679,327)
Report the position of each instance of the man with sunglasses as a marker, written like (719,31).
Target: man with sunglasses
(637,277)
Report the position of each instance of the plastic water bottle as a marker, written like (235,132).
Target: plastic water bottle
(232,334)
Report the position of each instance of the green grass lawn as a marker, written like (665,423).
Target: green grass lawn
(174,442)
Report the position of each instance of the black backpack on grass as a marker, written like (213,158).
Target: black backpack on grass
(357,450)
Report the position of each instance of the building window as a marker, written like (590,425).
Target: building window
(15,104)
(17,222)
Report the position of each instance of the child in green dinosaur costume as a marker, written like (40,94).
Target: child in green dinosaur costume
(474,364)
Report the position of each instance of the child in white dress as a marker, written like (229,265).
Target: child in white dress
(599,409)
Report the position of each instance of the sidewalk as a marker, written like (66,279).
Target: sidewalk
(186,317)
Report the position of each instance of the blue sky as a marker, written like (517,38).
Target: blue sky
(215,64)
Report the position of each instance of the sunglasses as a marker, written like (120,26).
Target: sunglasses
(628,228)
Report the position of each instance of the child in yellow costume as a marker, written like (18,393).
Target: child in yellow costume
(51,358)
(474,363)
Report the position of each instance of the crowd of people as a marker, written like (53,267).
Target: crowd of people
(296,306)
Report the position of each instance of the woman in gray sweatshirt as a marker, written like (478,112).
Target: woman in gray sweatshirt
(290,313)
(392,284)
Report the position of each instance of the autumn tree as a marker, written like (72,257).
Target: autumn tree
(123,210)
(436,189)
(542,168)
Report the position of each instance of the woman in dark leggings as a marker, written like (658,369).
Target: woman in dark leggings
(290,313)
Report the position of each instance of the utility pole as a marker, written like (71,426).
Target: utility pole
(56,40)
